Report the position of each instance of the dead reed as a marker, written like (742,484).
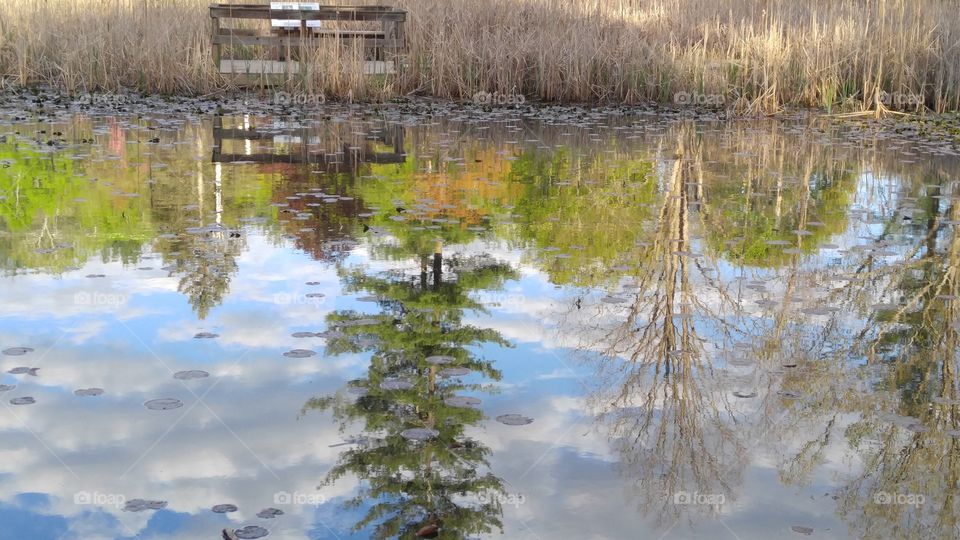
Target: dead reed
(751,54)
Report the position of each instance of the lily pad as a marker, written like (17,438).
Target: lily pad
(454,372)
(462,401)
(205,335)
(303,334)
(22,370)
(7,387)
(163,404)
(224,508)
(251,531)
(419,434)
(88,392)
(745,395)
(26,400)
(800,529)
(514,419)
(299,353)
(269,513)
(439,359)
(396,384)
(17,351)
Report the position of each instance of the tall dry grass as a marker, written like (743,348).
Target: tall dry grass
(755,53)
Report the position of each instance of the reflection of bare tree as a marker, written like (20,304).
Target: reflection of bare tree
(904,427)
(907,487)
(661,396)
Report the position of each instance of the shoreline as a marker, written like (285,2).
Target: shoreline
(925,127)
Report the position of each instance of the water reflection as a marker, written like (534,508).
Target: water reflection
(761,313)
(423,474)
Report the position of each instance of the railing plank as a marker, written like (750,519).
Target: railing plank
(368,41)
(324,14)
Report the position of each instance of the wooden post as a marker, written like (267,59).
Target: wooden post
(300,54)
(215,49)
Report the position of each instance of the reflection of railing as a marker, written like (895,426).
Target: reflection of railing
(298,143)
(291,28)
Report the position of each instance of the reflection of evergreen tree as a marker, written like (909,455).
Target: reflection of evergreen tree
(417,486)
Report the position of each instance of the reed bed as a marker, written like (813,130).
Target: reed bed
(755,55)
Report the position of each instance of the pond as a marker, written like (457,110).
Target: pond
(443,321)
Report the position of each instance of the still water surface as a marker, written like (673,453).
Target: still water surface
(558,324)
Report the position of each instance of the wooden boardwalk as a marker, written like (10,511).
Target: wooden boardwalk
(271,43)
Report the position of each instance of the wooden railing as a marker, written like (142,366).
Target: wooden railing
(380,29)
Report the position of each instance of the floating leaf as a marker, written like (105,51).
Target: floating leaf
(88,392)
(454,372)
(396,384)
(514,419)
(22,370)
(801,529)
(745,395)
(26,400)
(205,335)
(7,387)
(431,530)
(163,404)
(439,359)
(419,434)
(299,353)
(462,401)
(17,351)
(269,513)
(224,508)
(251,531)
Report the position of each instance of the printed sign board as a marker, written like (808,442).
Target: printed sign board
(293,23)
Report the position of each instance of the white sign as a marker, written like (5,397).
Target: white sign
(292,23)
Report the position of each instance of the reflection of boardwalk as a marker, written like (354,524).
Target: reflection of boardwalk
(307,146)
